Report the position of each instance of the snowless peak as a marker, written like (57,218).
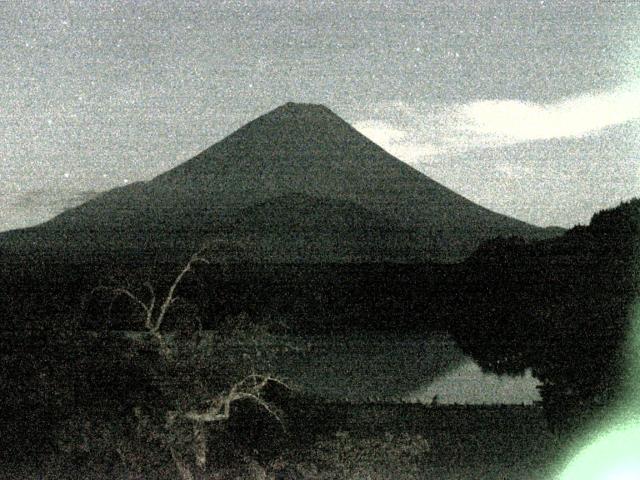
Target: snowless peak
(304,107)
(303,111)
(298,173)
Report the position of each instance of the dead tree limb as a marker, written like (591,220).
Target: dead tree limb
(154,317)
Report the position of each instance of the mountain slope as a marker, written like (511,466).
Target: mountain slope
(297,158)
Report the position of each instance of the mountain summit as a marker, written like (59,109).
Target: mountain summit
(296,184)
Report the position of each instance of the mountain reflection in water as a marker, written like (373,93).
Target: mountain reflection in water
(387,367)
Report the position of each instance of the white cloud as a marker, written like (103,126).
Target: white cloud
(396,141)
(419,134)
(547,163)
(511,121)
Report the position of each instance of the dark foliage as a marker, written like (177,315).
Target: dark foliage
(560,307)
(53,381)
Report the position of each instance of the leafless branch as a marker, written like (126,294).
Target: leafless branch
(153,320)
(183,469)
(170,299)
(249,388)
(220,408)
(152,305)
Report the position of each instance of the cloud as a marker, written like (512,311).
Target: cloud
(553,163)
(420,134)
(25,209)
(396,141)
(511,121)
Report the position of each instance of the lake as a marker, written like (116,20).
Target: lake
(377,366)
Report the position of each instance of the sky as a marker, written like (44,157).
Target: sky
(529,108)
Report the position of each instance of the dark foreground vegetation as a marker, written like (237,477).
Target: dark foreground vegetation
(562,307)
(105,422)
(80,400)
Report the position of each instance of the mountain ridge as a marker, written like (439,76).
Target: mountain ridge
(302,149)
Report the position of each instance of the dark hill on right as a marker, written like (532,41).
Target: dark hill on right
(561,307)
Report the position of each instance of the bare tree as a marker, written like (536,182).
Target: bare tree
(154,314)
(250,388)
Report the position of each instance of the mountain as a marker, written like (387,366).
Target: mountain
(297,184)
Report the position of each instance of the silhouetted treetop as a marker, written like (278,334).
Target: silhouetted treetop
(560,307)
